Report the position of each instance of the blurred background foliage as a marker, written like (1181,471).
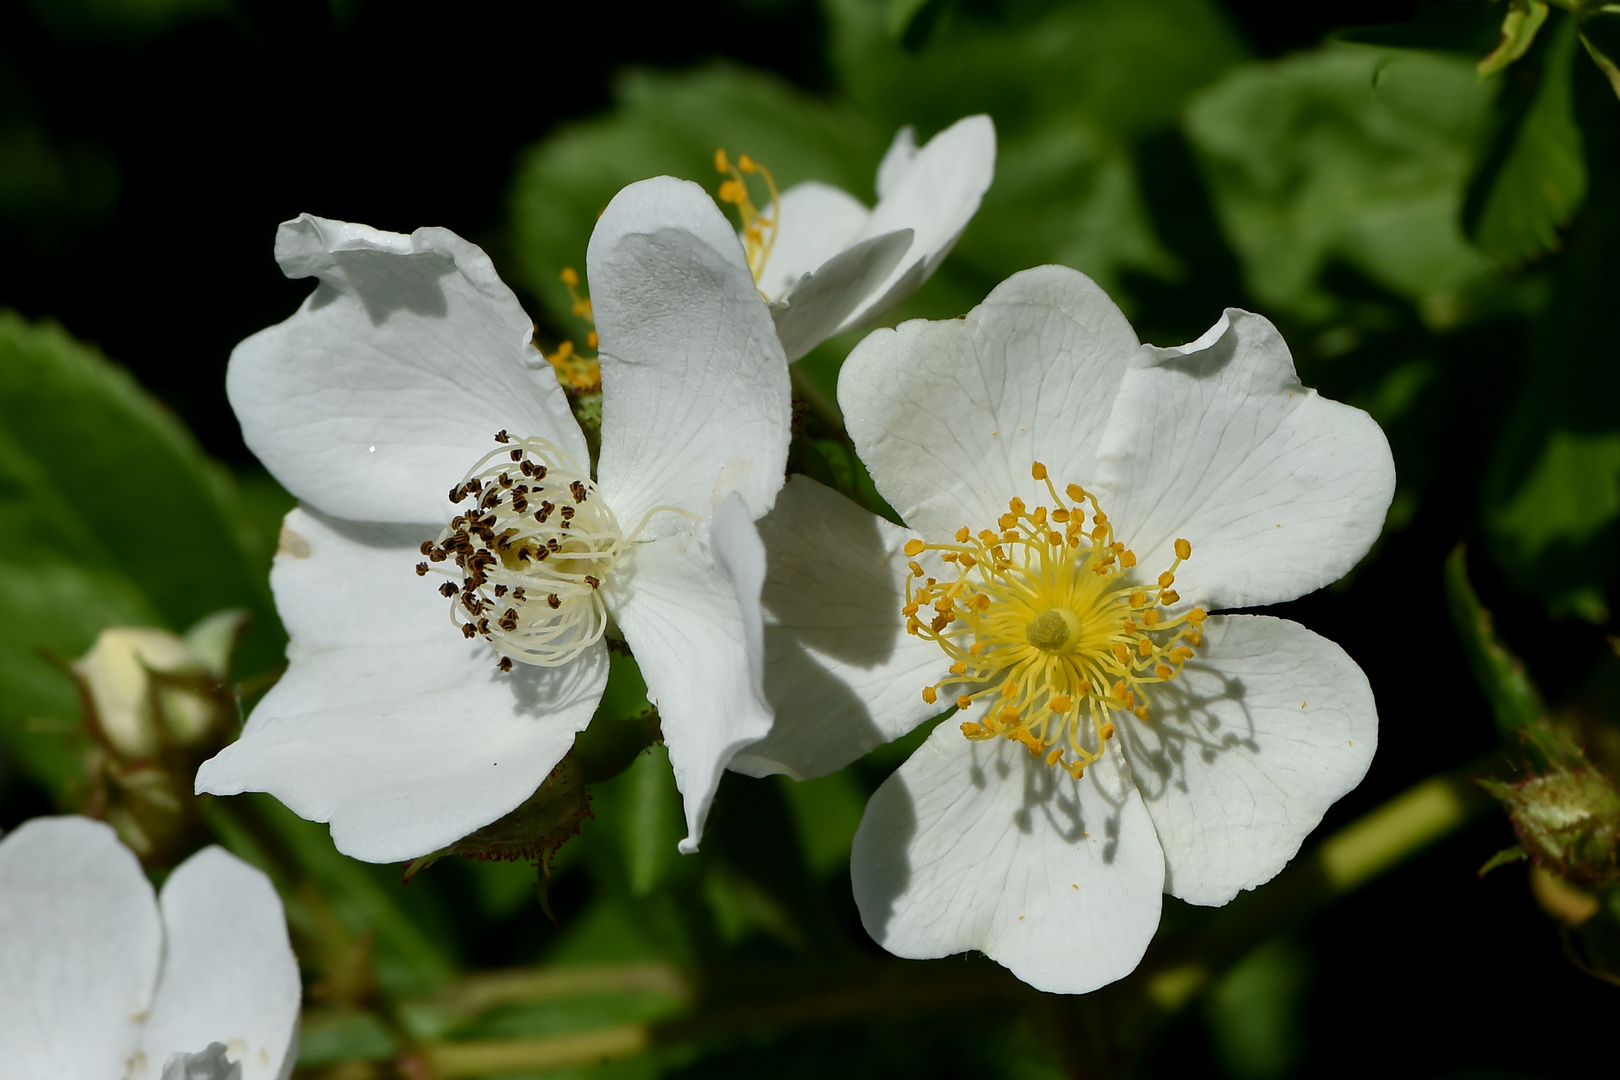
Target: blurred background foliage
(1438,245)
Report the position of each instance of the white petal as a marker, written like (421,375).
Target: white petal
(934,192)
(1279,491)
(978,845)
(393,377)
(695,400)
(229,974)
(388,724)
(949,416)
(819,304)
(841,673)
(818,221)
(80,944)
(209,1063)
(690,613)
(1246,750)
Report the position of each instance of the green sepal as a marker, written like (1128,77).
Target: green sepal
(1515,702)
(1519,28)
(1507,855)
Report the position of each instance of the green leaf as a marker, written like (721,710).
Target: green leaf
(1610,69)
(672,124)
(1347,154)
(1535,179)
(1571,494)
(96,474)
(1513,697)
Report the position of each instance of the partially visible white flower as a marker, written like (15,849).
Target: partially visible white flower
(100,978)
(1078,503)
(438,672)
(833,265)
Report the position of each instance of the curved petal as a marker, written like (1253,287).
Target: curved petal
(689,610)
(391,380)
(948,416)
(817,222)
(387,723)
(1279,491)
(80,944)
(818,305)
(841,673)
(1247,749)
(934,192)
(695,401)
(229,974)
(975,845)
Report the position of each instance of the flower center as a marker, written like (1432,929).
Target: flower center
(1047,618)
(758,229)
(530,553)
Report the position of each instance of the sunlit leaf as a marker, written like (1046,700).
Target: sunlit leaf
(1346,154)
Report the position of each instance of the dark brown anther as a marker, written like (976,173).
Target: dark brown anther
(502,437)
(519,502)
(467,630)
(517,455)
(528,470)
(546,507)
(457,493)
(509,620)
(448,589)
(426,548)
(553,545)
(506,663)
(524,488)
(554,601)
(517,593)
(483,627)
(505,479)
(577,488)
(568,513)
(421,569)
(500,590)
(542,555)
(474,485)
(592,582)
(539,472)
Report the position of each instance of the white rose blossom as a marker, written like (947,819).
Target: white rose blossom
(102,980)
(437,673)
(827,264)
(1077,502)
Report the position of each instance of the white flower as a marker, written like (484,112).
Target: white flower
(1112,741)
(100,979)
(833,265)
(382,394)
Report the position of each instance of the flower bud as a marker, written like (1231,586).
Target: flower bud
(1567,821)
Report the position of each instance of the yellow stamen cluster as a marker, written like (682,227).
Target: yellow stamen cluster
(574,369)
(1048,619)
(758,229)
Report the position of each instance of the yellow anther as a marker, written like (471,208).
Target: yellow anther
(1038,471)
(1127,559)
(1166,580)
(976,648)
(1075,492)
(959,668)
(962,535)
(722,164)
(564,351)
(592,340)
(1169,596)
(916,571)
(1163,671)
(964,702)
(1009,689)
(1183,549)
(1039,516)
(930,694)
(1060,515)
(570,276)
(1141,712)
(1107,732)
(1181,654)
(1007,521)
(1150,617)
(1145,647)
(1061,704)
(914,547)
(1197,615)
(1016,505)
(1122,654)
(1054,757)
(1055,539)
(746,164)
(1138,599)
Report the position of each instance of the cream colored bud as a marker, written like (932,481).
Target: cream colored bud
(138,709)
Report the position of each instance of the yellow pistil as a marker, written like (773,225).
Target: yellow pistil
(1051,625)
(574,369)
(758,229)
